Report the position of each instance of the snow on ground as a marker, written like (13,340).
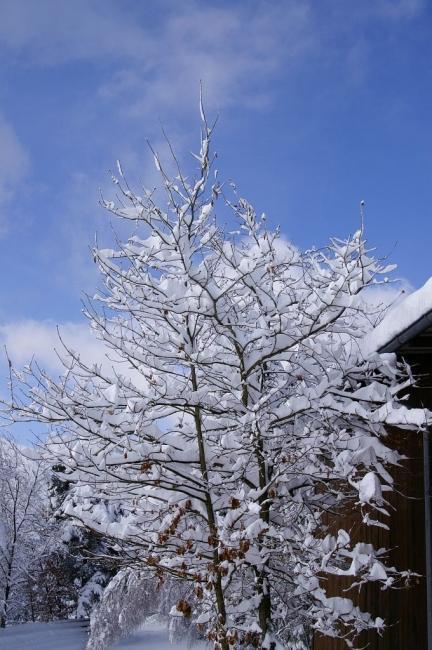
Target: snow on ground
(72,635)
(61,635)
(152,637)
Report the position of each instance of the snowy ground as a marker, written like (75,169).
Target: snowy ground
(62,635)
(72,635)
(152,637)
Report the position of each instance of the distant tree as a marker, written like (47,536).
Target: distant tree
(21,512)
(47,566)
(72,574)
(239,413)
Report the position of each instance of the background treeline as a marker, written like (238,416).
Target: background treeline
(47,566)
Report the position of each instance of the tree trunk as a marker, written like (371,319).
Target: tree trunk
(7,589)
(220,599)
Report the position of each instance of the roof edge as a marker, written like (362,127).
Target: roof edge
(401,323)
(409,333)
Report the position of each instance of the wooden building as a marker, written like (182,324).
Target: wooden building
(407,331)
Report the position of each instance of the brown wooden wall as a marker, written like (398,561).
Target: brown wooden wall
(405,609)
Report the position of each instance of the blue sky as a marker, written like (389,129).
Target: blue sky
(322,103)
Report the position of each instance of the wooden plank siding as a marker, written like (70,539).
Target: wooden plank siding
(405,609)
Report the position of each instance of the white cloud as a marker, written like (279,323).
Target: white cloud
(158,52)
(235,51)
(39,341)
(159,57)
(28,339)
(14,163)
(52,32)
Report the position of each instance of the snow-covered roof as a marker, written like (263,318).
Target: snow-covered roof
(411,317)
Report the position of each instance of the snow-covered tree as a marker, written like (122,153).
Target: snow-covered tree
(126,602)
(240,411)
(21,513)
(86,560)
(47,570)
(130,599)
